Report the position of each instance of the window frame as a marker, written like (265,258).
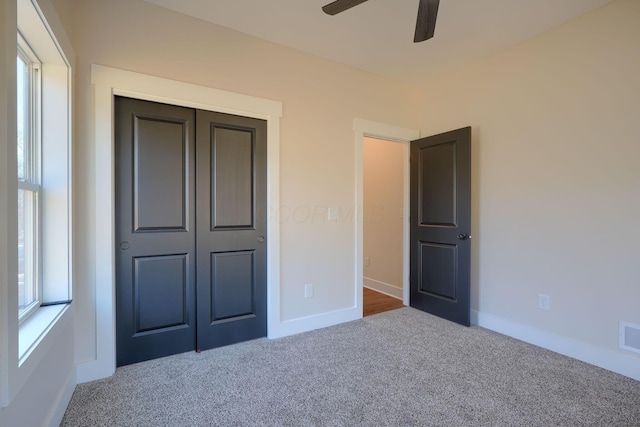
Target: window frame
(26,348)
(30,181)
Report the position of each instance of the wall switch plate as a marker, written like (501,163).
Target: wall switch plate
(367,261)
(544,302)
(308,290)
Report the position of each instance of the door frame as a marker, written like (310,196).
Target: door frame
(367,128)
(109,82)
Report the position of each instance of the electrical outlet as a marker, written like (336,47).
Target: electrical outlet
(544,302)
(308,290)
(367,261)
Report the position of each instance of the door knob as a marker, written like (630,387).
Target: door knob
(260,239)
(462,236)
(124,246)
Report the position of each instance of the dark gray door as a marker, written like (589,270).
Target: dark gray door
(155,230)
(187,275)
(440,181)
(231,242)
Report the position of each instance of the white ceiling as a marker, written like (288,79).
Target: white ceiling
(377,36)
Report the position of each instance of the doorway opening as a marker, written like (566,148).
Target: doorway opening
(384,168)
(401,137)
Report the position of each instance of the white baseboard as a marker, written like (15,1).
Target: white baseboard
(305,324)
(64,397)
(383,288)
(92,370)
(622,364)
(96,369)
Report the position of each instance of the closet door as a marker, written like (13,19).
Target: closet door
(155,230)
(231,222)
(191,258)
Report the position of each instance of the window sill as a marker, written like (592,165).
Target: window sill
(36,327)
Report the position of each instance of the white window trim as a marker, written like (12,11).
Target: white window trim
(33,168)
(24,347)
(29,56)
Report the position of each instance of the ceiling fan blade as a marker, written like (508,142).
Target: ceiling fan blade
(340,6)
(426,25)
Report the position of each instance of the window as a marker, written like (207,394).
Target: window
(39,193)
(43,138)
(28,149)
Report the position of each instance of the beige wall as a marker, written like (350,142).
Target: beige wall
(317,170)
(555,198)
(383,164)
(556,182)
(555,192)
(554,187)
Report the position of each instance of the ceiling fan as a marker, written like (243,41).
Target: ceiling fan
(427,14)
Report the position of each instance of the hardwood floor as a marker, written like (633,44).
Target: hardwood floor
(375,302)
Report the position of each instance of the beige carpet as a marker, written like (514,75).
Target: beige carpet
(399,368)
